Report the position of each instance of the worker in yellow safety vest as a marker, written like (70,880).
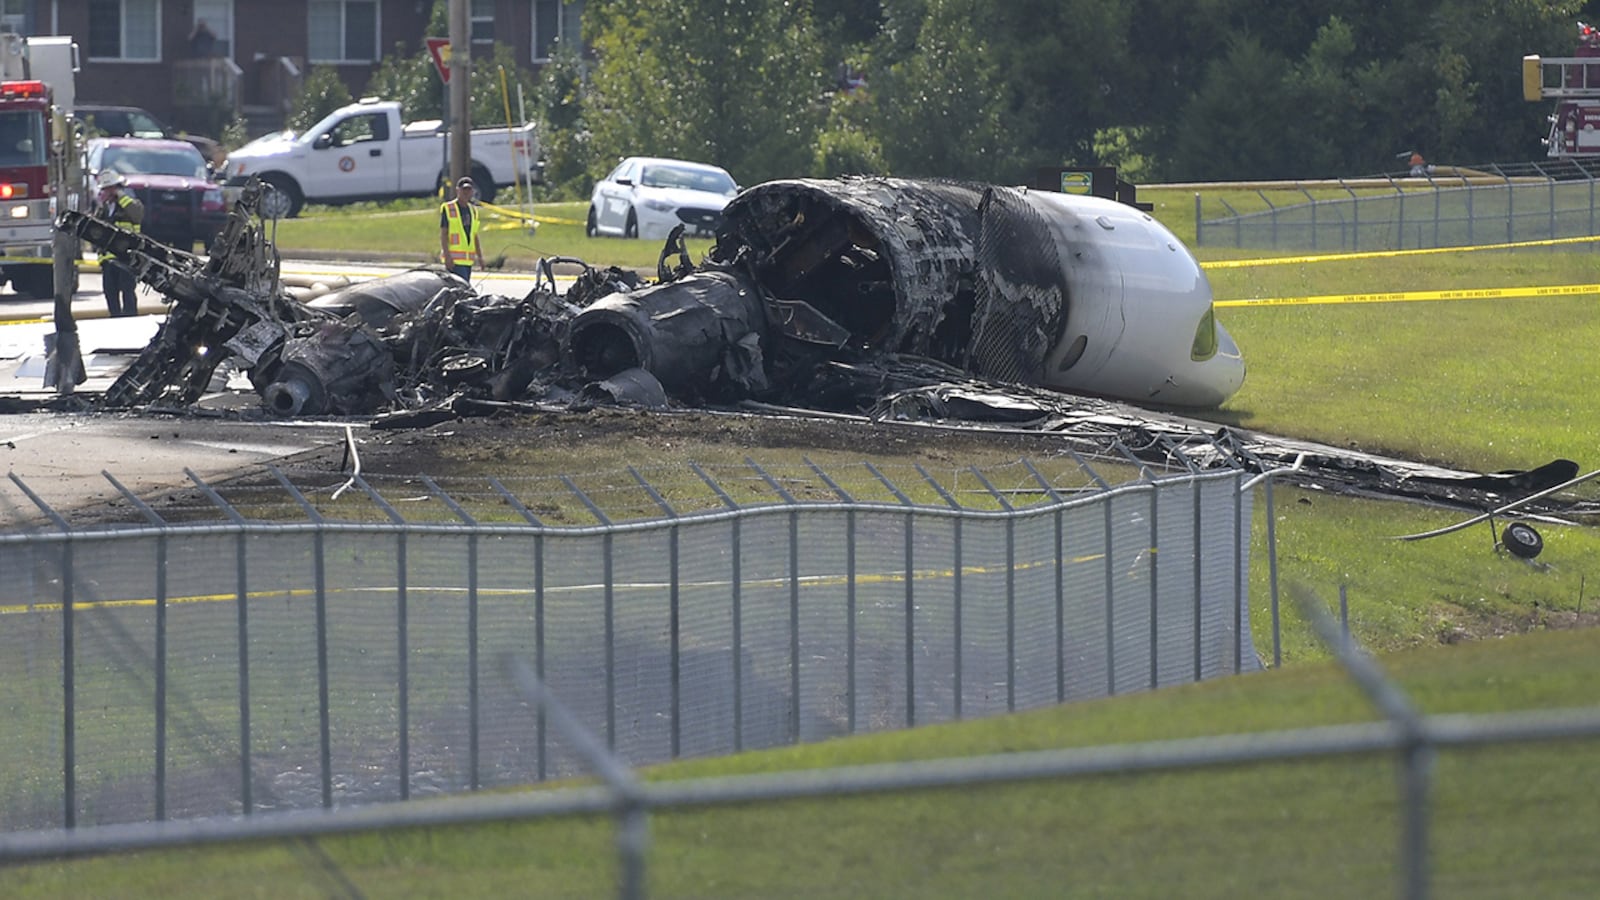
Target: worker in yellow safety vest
(118,206)
(458,232)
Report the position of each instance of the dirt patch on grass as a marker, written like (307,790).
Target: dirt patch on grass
(556,442)
(1485,627)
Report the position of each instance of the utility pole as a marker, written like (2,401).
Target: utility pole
(459,90)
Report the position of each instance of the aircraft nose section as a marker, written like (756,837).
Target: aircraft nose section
(1222,375)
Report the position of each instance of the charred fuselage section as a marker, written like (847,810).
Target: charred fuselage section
(1072,293)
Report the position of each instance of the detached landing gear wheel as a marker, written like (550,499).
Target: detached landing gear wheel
(37,281)
(1522,540)
(282,200)
(631,230)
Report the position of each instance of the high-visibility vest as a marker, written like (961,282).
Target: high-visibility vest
(119,219)
(462,250)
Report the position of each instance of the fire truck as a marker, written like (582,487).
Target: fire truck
(41,169)
(1574,83)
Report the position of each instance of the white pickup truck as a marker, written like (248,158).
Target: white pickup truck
(364,152)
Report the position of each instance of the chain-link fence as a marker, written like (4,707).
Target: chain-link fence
(185,666)
(1492,205)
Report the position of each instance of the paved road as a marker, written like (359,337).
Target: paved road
(61,456)
(89,302)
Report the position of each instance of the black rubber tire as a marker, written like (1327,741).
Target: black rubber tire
(592,227)
(631,230)
(290,191)
(36,281)
(1522,540)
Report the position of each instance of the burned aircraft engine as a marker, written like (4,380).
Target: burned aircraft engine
(1070,292)
(328,367)
(699,336)
(381,301)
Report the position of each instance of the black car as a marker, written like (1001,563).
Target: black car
(132,121)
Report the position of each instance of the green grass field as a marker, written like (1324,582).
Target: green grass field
(1509,821)
(1481,384)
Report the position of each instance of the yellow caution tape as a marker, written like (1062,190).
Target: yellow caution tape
(1389,254)
(526,216)
(1556,290)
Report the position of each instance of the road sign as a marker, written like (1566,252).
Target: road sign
(439,49)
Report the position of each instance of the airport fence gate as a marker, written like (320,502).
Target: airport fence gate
(171,670)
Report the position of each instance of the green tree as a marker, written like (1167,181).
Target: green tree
(940,111)
(1067,71)
(568,149)
(322,93)
(408,75)
(1234,126)
(738,83)
(845,146)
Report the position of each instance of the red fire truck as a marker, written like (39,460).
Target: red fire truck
(1574,83)
(40,169)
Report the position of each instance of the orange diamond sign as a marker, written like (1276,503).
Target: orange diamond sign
(439,49)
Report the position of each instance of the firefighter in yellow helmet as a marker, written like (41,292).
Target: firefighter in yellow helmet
(458,231)
(117,205)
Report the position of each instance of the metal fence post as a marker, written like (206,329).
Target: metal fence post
(402,635)
(538,616)
(155,519)
(737,611)
(319,563)
(910,601)
(1196,585)
(69,725)
(633,816)
(242,591)
(850,603)
(1416,750)
(955,583)
(1011,589)
(1155,585)
(609,580)
(1241,547)
(794,597)
(1061,585)
(674,613)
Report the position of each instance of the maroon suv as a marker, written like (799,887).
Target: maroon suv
(182,204)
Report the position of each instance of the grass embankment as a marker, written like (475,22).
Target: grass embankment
(1507,821)
(408,230)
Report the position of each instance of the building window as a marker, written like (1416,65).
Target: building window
(218,16)
(482,24)
(555,22)
(14,16)
(125,29)
(343,31)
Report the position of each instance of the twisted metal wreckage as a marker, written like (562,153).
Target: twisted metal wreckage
(871,298)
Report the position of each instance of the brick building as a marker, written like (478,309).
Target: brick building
(150,53)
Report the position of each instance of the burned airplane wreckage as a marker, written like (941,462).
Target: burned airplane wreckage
(812,289)
(873,297)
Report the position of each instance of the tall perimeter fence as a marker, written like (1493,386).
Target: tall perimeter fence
(303,641)
(1489,204)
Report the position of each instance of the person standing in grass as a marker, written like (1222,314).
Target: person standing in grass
(458,232)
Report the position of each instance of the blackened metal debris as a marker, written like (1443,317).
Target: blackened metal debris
(880,298)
